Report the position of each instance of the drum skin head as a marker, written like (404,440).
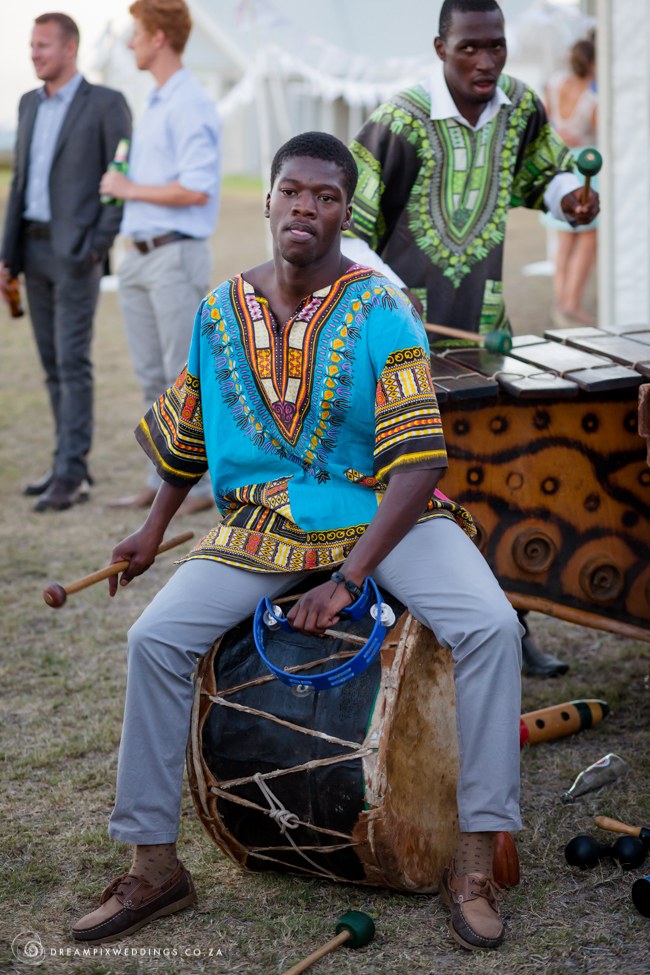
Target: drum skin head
(410,830)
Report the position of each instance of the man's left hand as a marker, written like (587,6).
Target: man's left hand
(319,608)
(576,211)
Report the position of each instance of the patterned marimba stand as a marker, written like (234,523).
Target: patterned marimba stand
(545,452)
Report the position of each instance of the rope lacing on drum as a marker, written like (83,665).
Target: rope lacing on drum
(279,813)
(286,820)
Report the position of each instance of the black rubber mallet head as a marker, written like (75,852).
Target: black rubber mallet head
(641,895)
(585,852)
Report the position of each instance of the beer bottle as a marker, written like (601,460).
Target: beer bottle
(606,770)
(16,309)
(120,164)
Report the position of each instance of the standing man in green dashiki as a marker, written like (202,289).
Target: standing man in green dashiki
(441,164)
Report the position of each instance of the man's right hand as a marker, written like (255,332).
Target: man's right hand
(139,550)
(116,185)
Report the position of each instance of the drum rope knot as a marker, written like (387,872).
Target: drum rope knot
(278,813)
(286,820)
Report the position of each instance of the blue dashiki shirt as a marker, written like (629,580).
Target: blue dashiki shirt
(301,426)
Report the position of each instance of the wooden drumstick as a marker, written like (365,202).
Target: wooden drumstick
(335,634)
(589,163)
(346,637)
(354,929)
(614,826)
(499,342)
(55,594)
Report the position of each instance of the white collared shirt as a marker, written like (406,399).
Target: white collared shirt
(443,105)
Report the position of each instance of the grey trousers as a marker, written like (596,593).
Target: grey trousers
(62,298)
(435,571)
(159,294)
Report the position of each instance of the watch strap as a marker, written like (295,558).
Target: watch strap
(351,587)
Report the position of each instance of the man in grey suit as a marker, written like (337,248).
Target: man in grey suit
(58,233)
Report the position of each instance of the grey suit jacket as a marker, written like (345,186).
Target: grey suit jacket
(96,120)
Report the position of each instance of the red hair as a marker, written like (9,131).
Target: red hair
(172,17)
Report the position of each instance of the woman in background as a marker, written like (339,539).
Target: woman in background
(571,103)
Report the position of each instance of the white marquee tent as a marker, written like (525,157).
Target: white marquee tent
(274,72)
(624,136)
(277,67)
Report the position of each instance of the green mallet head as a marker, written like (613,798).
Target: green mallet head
(358,926)
(589,162)
(499,342)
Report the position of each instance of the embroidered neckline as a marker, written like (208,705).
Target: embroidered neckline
(282,357)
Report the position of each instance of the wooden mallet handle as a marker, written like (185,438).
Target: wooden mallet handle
(499,342)
(355,929)
(589,163)
(325,949)
(614,826)
(55,594)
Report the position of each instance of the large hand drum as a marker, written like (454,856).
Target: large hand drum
(354,783)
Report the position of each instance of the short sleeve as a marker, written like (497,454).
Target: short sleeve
(171,432)
(408,427)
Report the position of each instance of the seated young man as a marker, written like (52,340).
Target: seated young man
(308,398)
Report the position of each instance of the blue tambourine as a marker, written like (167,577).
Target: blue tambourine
(331,678)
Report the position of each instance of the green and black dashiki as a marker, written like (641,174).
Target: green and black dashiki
(434,195)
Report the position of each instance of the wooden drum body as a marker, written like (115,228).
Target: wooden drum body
(547,456)
(356,783)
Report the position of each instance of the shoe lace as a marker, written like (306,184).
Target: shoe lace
(485,887)
(113,887)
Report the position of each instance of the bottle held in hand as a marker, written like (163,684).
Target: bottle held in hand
(13,298)
(120,164)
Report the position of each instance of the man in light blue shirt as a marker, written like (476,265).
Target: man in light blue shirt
(171,200)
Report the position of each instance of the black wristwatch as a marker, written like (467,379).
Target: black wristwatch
(351,587)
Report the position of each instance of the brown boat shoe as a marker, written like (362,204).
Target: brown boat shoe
(472,900)
(128,903)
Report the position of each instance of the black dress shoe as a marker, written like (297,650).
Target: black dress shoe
(62,494)
(536,663)
(39,487)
